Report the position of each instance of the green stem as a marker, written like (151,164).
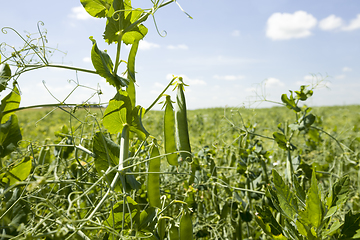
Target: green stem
(118,61)
(35,66)
(161,94)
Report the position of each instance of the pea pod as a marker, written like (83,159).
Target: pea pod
(186,227)
(161,227)
(174,232)
(153,183)
(181,125)
(169,132)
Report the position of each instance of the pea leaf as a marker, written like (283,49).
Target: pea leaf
(264,214)
(96,8)
(19,172)
(104,67)
(10,102)
(312,215)
(304,93)
(118,218)
(5,74)
(286,198)
(122,19)
(10,135)
(290,102)
(339,192)
(351,226)
(118,112)
(107,155)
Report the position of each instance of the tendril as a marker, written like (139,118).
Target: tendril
(157,29)
(42,39)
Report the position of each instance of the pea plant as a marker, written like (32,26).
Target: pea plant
(105,185)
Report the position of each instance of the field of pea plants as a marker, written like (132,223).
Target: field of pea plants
(123,171)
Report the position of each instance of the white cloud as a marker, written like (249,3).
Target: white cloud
(235,33)
(340,76)
(346,69)
(331,23)
(273,82)
(284,26)
(179,46)
(354,24)
(251,90)
(80,13)
(159,85)
(187,80)
(87,59)
(145,45)
(308,77)
(229,77)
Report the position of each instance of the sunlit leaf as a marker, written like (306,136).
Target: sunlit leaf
(19,172)
(122,21)
(118,112)
(304,93)
(10,102)
(5,74)
(312,215)
(286,198)
(97,8)
(104,66)
(290,102)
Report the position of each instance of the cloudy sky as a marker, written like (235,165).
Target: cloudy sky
(232,53)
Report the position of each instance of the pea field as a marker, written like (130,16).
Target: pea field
(117,170)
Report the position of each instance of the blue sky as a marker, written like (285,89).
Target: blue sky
(228,53)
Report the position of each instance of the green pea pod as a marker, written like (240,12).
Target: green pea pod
(161,228)
(186,227)
(153,183)
(174,232)
(169,132)
(181,125)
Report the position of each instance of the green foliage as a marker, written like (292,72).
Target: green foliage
(79,171)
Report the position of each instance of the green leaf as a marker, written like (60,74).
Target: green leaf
(290,102)
(351,225)
(5,74)
(19,172)
(129,216)
(97,8)
(339,192)
(8,103)
(266,216)
(304,93)
(124,21)
(287,201)
(104,67)
(118,112)
(10,135)
(280,140)
(147,219)
(312,215)
(107,155)
(334,227)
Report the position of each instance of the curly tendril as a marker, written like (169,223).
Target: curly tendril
(42,40)
(157,29)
